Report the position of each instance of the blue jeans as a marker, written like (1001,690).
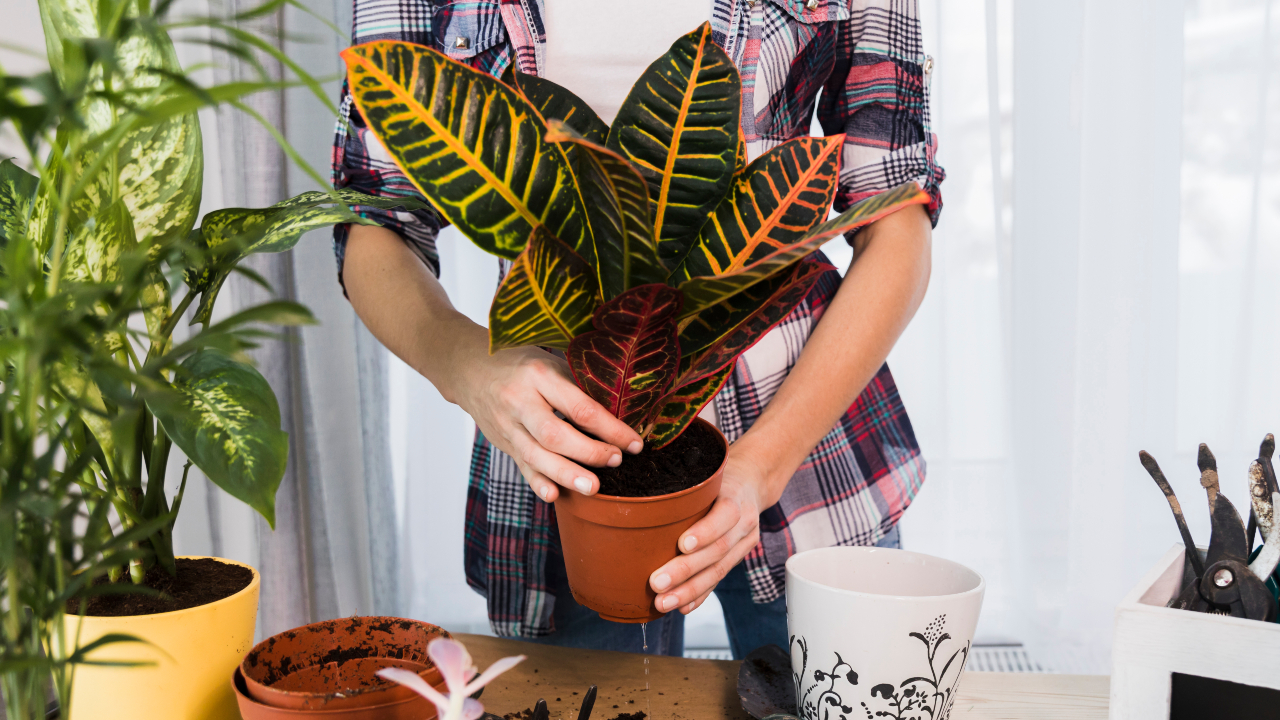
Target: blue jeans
(749,624)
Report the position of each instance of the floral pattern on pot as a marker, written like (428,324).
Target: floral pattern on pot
(831,690)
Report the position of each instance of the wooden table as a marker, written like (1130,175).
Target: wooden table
(679,689)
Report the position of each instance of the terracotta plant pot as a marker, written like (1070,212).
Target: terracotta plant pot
(191,653)
(613,544)
(332,665)
(413,708)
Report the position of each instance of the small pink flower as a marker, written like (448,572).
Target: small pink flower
(456,667)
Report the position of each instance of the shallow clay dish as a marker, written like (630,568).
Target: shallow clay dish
(332,665)
(412,708)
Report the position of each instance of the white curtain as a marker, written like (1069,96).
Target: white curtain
(1106,279)
(1113,291)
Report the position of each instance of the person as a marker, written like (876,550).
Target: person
(822,450)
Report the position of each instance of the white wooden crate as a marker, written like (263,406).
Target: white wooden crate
(1152,641)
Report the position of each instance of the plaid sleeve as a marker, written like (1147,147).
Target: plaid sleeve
(877,95)
(361,163)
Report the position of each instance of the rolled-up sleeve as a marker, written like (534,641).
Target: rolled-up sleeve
(878,96)
(361,163)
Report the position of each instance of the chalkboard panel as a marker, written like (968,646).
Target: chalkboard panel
(1202,698)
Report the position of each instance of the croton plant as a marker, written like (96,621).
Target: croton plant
(649,251)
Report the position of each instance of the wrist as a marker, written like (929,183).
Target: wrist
(762,466)
(462,357)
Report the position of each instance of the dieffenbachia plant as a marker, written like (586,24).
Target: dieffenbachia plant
(113,132)
(649,251)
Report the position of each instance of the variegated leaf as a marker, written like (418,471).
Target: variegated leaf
(225,418)
(618,206)
(472,145)
(760,227)
(554,102)
(628,362)
(682,405)
(158,168)
(546,299)
(729,329)
(703,291)
(233,233)
(17,198)
(95,250)
(679,127)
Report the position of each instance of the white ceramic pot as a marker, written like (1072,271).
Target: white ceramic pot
(875,630)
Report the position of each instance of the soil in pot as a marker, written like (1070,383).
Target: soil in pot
(683,463)
(200,581)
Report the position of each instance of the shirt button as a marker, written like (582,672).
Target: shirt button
(928,64)
(811,4)
(462,43)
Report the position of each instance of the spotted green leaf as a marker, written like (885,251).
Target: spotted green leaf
(472,145)
(618,206)
(231,234)
(17,197)
(546,299)
(225,418)
(679,127)
(157,168)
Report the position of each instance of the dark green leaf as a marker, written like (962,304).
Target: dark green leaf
(679,127)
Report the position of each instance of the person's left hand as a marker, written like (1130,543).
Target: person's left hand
(717,542)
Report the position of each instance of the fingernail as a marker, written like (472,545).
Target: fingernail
(690,543)
(583,485)
(634,447)
(544,492)
(667,603)
(614,460)
(661,582)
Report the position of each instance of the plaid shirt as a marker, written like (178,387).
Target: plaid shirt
(865,56)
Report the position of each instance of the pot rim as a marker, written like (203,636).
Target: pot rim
(237,678)
(979,589)
(671,496)
(251,587)
(304,694)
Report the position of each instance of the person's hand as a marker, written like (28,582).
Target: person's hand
(513,395)
(717,542)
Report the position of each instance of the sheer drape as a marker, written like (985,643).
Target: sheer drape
(334,550)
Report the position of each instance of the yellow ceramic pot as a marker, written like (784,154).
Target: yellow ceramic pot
(194,651)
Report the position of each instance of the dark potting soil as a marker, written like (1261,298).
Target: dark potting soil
(685,462)
(200,581)
(630,716)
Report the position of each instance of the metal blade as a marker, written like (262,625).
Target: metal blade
(588,702)
(1153,469)
(1227,541)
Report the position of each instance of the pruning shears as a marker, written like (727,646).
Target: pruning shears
(1230,578)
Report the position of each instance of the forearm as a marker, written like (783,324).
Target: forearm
(406,308)
(880,294)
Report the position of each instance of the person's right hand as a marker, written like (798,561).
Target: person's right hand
(513,395)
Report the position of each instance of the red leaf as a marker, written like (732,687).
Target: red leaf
(629,361)
(726,330)
(682,405)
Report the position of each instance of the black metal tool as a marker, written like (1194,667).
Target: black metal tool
(540,711)
(765,686)
(1222,582)
(588,702)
